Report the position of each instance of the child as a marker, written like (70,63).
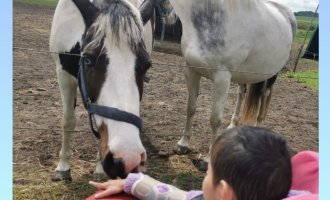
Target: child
(246,164)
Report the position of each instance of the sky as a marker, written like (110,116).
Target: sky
(300,5)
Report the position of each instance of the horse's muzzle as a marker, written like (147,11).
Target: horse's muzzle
(115,167)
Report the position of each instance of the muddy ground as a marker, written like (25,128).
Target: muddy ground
(37,104)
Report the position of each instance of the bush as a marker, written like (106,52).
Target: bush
(305,27)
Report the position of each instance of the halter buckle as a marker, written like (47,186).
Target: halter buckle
(88,103)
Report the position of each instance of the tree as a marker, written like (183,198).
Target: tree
(306,14)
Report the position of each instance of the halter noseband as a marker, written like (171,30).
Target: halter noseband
(163,13)
(104,111)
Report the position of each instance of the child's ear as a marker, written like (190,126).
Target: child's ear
(226,191)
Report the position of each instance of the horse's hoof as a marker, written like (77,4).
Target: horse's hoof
(99,177)
(62,175)
(180,149)
(204,166)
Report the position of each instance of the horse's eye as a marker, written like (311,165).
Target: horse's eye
(88,62)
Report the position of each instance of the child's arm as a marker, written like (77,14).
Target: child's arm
(111,187)
(146,188)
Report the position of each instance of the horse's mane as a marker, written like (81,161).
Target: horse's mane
(121,25)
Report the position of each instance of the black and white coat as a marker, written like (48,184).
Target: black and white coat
(67,31)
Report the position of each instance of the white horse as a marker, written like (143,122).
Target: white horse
(240,41)
(114,72)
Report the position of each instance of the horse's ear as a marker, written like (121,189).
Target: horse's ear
(88,11)
(147,10)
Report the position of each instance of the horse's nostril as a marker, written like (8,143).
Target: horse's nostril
(114,167)
(143,163)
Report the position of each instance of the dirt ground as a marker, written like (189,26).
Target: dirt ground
(37,104)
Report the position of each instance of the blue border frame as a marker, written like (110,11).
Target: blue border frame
(6,142)
(324,133)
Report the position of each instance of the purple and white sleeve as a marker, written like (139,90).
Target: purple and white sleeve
(193,194)
(144,187)
(297,192)
(130,180)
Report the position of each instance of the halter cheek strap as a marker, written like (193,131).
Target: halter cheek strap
(104,111)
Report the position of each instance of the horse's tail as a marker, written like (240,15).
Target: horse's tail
(267,103)
(253,102)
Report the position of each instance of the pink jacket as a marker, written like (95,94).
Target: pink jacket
(305,175)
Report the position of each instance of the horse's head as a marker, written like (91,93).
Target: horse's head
(167,11)
(114,62)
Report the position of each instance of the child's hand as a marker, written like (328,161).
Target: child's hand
(111,187)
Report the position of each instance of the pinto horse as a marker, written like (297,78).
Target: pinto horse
(115,41)
(240,41)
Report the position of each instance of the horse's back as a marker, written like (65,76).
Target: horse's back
(287,14)
(256,38)
(270,43)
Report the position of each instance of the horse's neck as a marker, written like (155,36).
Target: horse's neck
(181,8)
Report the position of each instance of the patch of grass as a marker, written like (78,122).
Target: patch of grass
(52,3)
(309,62)
(187,181)
(307,20)
(314,83)
(301,20)
(32,184)
(184,179)
(300,36)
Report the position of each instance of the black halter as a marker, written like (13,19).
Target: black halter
(108,112)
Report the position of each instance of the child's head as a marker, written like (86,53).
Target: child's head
(248,164)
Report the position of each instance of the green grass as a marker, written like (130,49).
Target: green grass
(301,33)
(307,20)
(300,36)
(36,184)
(314,83)
(40,2)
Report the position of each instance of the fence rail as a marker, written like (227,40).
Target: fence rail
(81,131)
(166,64)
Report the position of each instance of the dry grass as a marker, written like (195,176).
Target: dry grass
(33,181)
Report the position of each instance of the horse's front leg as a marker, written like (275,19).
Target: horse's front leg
(220,94)
(241,90)
(193,81)
(68,86)
(98,174)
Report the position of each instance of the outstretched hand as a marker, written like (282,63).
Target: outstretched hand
(111,187)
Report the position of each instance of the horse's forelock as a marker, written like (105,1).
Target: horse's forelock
(120,23)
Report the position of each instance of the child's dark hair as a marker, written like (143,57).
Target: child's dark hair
(255,162)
